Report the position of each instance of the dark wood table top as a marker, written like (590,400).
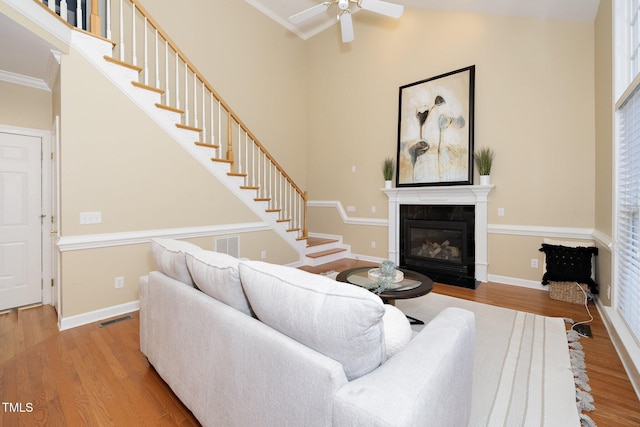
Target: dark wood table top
(358,276)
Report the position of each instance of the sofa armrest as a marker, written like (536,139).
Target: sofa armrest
(428,383)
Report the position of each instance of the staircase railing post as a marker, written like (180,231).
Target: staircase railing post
(95,19)
(305,197)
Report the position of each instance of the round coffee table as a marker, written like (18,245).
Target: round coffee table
(413,285)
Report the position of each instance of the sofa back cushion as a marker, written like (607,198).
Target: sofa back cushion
(216,274)
(339,320)
(169,256)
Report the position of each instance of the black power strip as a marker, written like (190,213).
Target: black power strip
(584,330)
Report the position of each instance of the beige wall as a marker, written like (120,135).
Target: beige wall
(24,106)
(255,64)
(117,161)
(604,142)
(322,107)
(89,275)
(534,107)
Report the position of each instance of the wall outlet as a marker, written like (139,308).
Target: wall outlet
(373,209)
(500,211)
(90,217)
(119,282)
(351,208)
(534,263)
(373,245)
(263,255)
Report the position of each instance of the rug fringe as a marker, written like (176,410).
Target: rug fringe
(586,421)
(584,400)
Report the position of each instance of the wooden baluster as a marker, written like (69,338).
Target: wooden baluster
(52,5)
(121,42)
(195,101)
(146,52)
(186,94)
(167,94)
(213,125)
(230,144)
(204,114)
(177,83)
(108,18)
(134,48)
(157,66)
(64,8)
(239,149)
(79,15)
(95,18)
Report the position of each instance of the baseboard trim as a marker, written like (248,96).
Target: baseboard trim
(514,281)
(98,315)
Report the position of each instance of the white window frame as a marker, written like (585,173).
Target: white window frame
(626,80)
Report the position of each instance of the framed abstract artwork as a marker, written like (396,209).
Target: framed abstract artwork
(435,130)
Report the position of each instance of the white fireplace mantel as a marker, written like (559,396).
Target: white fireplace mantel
(476,195)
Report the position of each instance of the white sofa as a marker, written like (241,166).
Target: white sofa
(255,344)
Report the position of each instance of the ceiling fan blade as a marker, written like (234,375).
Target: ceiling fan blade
(385,8)
(346,26)
(309,13)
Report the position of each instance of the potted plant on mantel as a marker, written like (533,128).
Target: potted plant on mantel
(387,172)
(484,159)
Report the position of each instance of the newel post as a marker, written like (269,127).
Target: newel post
(95,19)
(305,197)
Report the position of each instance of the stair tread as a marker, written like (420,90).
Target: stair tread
(327,252)
(317,241)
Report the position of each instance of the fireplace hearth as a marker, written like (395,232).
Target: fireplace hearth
(438,240)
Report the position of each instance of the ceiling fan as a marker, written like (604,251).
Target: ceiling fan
(344,13)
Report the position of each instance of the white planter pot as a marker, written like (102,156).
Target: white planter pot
(388,184)
(485,179)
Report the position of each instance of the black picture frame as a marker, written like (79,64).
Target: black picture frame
(435,130)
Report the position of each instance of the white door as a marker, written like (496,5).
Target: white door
(20,221)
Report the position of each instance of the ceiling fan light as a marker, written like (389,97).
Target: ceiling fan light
(346,26)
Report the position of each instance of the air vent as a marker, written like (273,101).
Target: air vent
(229,246)
(112,321)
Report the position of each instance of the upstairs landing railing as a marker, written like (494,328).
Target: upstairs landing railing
(140,42)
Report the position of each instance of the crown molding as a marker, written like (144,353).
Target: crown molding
(19,79)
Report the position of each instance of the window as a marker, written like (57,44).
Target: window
(628,212)
(627,171)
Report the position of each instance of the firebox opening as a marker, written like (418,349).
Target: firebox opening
(439,242)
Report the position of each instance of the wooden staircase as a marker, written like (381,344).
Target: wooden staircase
(322,249)
(167,86)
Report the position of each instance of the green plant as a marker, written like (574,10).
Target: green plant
(484,158)
(387,169)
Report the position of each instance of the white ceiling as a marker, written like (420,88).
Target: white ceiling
(572,10)
(26,58)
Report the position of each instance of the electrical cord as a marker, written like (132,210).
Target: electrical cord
(586,302)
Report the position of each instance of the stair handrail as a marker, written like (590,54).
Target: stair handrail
(94,28)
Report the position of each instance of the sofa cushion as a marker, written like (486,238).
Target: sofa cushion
(216,274)
(397,330)
(341,321)
(169,256)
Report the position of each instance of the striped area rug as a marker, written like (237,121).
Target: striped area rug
(522,373)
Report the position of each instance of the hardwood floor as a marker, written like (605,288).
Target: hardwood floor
(97,376)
